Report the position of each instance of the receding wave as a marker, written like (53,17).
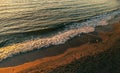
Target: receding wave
(60,38)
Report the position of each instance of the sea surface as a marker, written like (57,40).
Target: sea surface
(26,25)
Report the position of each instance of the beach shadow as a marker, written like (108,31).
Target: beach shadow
(105,62)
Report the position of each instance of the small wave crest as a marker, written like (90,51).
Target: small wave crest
(69,32)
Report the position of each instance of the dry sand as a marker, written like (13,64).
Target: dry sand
(97,43)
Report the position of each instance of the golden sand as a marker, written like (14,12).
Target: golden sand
(48,63)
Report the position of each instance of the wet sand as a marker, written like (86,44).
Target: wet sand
(51,59)
(50,51)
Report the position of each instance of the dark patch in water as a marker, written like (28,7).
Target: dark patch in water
(2,43)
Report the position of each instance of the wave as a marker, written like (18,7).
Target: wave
(29,16)
(61,37)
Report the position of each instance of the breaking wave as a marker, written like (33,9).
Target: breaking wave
(61,37)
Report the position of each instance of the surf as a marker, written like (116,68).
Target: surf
(60,37)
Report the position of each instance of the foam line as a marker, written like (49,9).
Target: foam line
(69,32)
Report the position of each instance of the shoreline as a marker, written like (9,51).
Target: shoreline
(60,38)
(62,63)
(50,51)
(80,46)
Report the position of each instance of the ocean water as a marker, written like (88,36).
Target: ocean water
(26,25)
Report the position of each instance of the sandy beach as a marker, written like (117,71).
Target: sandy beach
(59,36)
(96,52)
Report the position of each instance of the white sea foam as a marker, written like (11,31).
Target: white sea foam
(69,32)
